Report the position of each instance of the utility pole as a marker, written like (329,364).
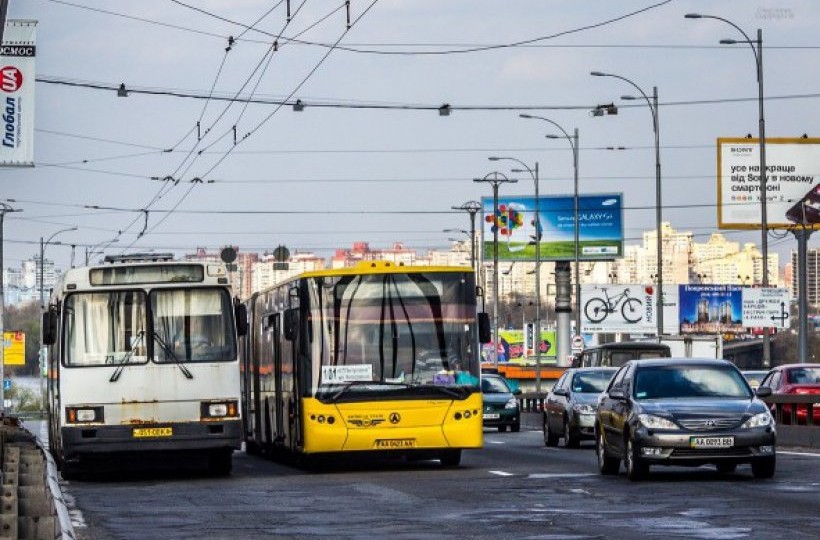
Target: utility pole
(4,209)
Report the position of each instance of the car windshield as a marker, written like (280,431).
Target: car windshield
(587,382)
(660,382)
(494,385)
(806,375)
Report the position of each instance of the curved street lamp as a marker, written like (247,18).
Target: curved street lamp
(764,224)
(495,178)
(653,108)
(472,208)
(537,237)
(43,245)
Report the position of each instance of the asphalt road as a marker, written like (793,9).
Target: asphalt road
(514,488)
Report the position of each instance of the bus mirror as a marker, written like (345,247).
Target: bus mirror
(291,324)
(484,334)
(48,328)
(241,315)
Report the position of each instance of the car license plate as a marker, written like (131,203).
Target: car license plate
(711,442)
(491,416)
(153,432)
(395,443)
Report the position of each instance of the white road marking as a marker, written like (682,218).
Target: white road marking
(811,454)
(560,475)
(501,473)
(496,442)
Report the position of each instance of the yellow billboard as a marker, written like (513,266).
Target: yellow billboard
(14,348)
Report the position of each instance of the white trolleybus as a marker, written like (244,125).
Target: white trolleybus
(142,359)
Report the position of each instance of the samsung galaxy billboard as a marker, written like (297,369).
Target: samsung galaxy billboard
(600,234)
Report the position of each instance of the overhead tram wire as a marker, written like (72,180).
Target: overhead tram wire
(167,187)
(327,104)
(482,48)
(227,153)
(353,47)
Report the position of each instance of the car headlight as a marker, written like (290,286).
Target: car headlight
(512,403)
(759,420)
(656,422)
(583,409)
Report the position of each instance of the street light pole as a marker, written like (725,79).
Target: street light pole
(497,179)
(472,208)
(573,142)
(537,224)
(653,108)
(764,223)
(43,245)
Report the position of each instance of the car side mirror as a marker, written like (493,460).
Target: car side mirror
(484,334)
(49,327)
(561,392)
(618,394)
(518,392)
(241,316)
(291,325)
(763,391)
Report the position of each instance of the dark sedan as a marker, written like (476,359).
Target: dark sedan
(501,408)
(683,411)
(569,410)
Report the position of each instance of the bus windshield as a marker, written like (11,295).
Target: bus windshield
(392,332)
(192,325)
(105,328)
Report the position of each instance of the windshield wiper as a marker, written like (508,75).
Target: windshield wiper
(126,358)
(345,386)
(457,392)
(169,352)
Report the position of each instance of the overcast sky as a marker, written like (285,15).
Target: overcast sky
(377,162)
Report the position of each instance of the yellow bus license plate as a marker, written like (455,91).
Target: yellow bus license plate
(153,432)
(395,443)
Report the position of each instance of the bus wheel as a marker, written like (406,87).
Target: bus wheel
(69,471)
(450,458)
(220,462)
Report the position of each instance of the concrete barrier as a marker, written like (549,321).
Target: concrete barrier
(31,502)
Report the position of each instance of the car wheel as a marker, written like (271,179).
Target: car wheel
(550,439)
(516,427)
(502,428)
(763,467)
(636,468)
(726,468)
(570,438)
(606,464)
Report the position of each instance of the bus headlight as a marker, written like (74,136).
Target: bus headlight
(218,409)
(84,415)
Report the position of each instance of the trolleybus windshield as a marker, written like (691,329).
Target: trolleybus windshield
(105,328)
(110,328)
(393,334)
(192,325)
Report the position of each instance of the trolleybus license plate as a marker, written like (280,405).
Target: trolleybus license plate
(395,443)
(153,432)
(711,442)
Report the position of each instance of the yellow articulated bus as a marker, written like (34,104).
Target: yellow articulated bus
(377,357)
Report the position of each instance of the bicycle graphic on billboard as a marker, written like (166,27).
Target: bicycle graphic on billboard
(597,309)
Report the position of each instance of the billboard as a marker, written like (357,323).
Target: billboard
(17,94)
(512,348)
(711,309)
(793,168)
(14,348)
(600,235)
(630,308)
